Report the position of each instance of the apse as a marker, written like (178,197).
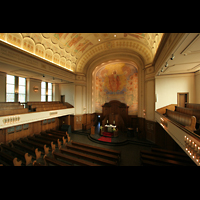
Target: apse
(117,81)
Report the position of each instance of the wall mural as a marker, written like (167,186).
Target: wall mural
(117,81)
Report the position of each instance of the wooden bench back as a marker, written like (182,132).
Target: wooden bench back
(189,111)
(186,120)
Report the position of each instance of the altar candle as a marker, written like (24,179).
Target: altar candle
(185,138)
(190,142)
(187,141)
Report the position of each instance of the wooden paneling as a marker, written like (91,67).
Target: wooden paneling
(150,130)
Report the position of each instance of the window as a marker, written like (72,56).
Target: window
(22,89)
(49,91)
(10,88)
(43,91)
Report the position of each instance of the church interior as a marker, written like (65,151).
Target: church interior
(99,99)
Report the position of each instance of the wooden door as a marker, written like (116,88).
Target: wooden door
(182,98)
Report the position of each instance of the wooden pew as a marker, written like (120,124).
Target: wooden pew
(185,120)
(72,159)
(10,159)
(88,157)
(17,152)
(193,106)
(189,111)
(37,145)
(162,159)
(53,161)
(45,142)
(13,111)
(28,149)
(35,163)
(111,151)
(93,152)
(55,132)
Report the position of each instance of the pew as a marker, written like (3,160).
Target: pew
(13,111)
(35,163)
(72,160)
(63,133)
(189,111)
(10,159)
(31,150)
(93,152)
(187,121)
(45,142)
(88,157)
(23,155)
(37,145)
(111,151)
(164,159)
(53,161)
(193,106)
(56,133)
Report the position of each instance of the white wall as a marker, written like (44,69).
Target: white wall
(167,87)
(69,91)
(2,87)
(56,92)
(197,86)
(31,95)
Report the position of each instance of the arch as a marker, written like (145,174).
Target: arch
(119,56)
(39,50)
(15,39)
(123,45)
(29,45)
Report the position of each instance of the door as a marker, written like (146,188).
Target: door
(62,98)
(182,98)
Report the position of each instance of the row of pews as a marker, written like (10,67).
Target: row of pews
(162,157)
(45,106)
(188,116)
(54,148)
(12,108)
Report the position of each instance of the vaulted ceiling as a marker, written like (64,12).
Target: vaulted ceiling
(73,50)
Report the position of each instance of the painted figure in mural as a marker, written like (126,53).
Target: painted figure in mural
(114,81)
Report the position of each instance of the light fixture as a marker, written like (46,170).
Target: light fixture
(43,75)
(166,65)
(114,35)
(162,69)
(99,40)
(173,56)
(158,73)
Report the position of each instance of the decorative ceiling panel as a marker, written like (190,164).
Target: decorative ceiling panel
(66,49)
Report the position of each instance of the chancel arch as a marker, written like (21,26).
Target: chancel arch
(129,66)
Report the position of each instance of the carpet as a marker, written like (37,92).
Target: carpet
(107,134)
(105,139)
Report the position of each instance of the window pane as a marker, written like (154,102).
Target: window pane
(21,98)
(43,84)
(10,97)
(43,98)
(10,88)
(49,98)
(43,91)
(49,92)
(49,86)
(22,81)
(22,89)
(10,79)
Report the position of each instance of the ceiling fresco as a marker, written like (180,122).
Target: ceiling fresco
(67,49)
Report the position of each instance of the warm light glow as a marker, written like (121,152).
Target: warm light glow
(35,54)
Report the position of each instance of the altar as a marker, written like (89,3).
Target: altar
(110,128)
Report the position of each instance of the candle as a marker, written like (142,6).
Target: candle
(198,149)
(185,138)
(187,141)
(192,144)
(195,147)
